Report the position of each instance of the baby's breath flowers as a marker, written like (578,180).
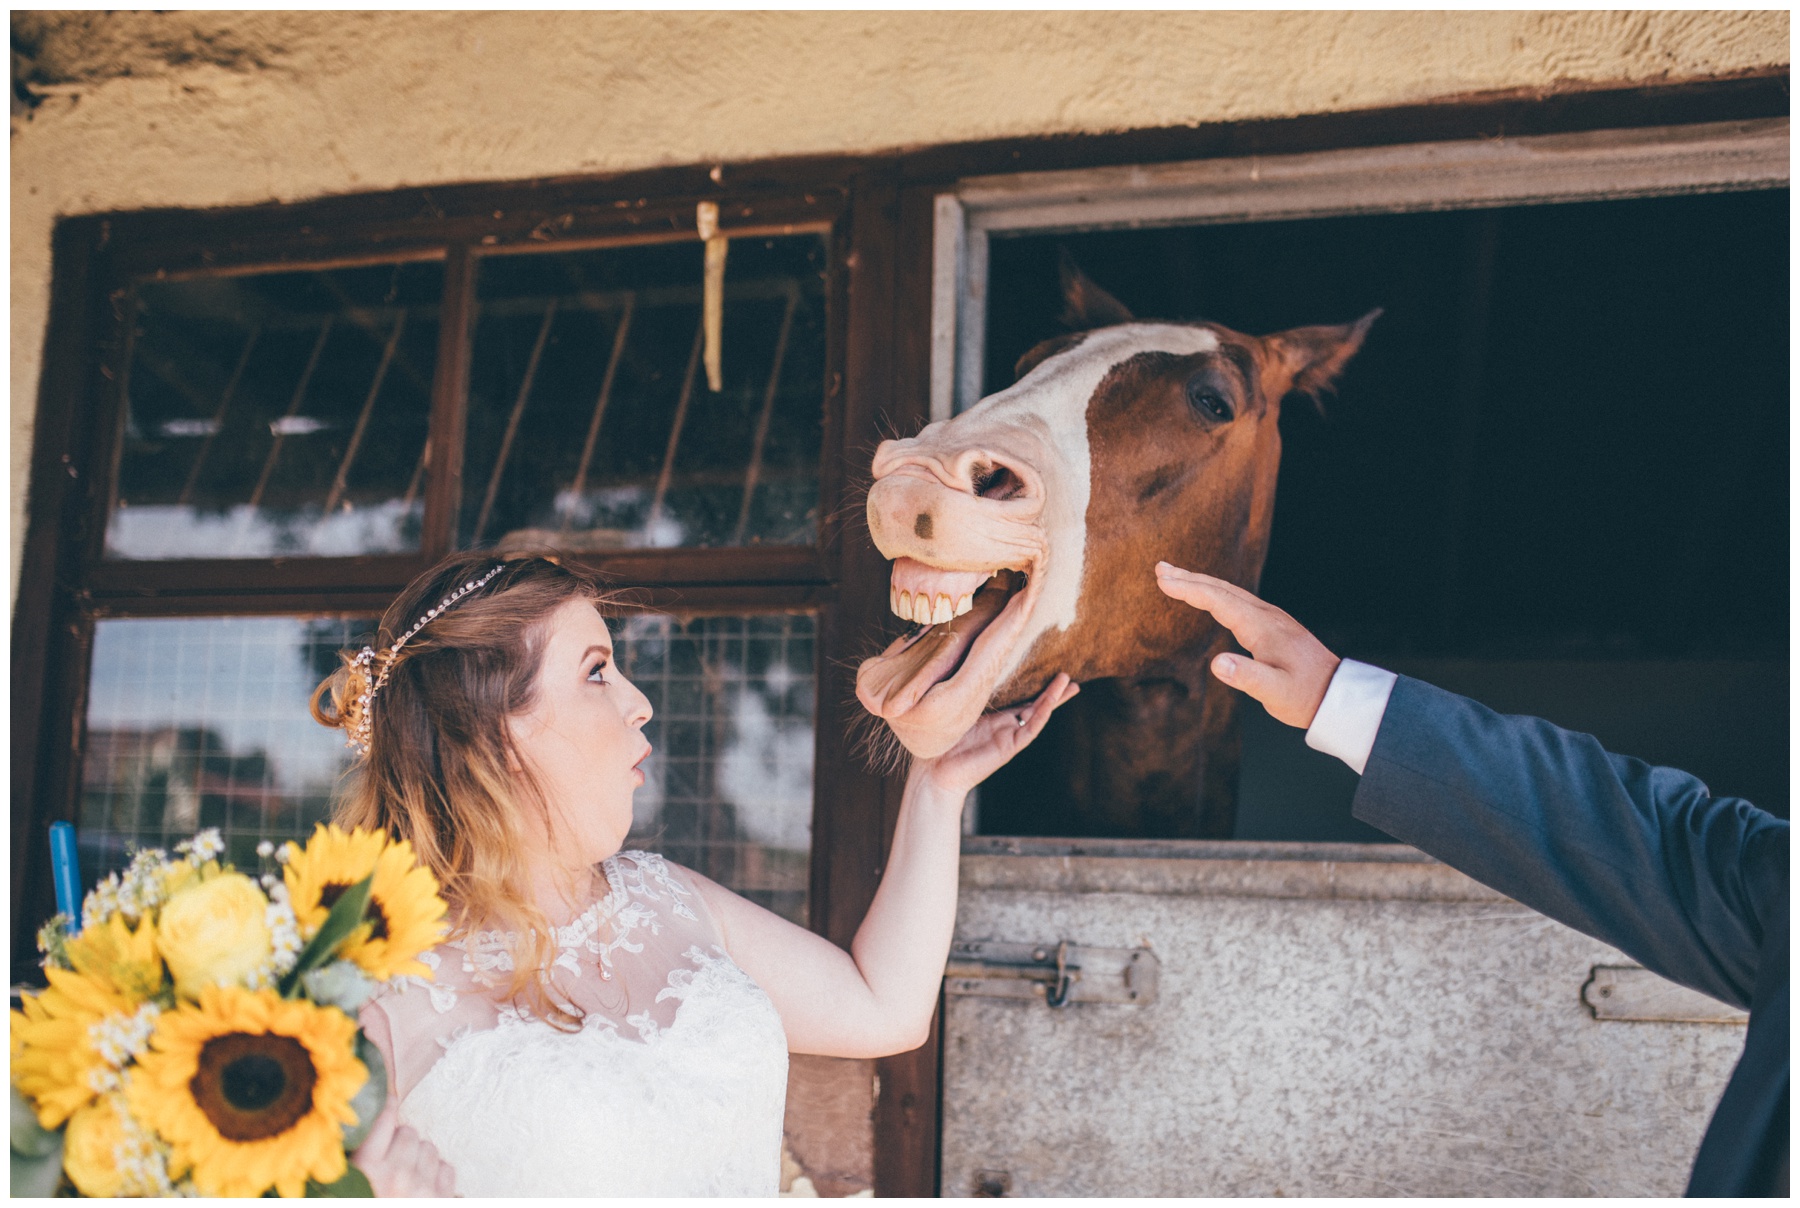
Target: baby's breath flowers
(198,1033)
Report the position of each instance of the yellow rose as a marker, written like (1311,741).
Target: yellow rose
(107,1153)
(214,932)
(93,1139)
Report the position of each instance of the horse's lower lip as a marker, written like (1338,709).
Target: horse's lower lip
(928,720)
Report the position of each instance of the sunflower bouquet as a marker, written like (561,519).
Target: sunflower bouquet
(199,1034)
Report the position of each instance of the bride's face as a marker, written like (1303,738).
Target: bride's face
(583,736)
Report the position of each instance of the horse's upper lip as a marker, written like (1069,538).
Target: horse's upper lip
(914,515)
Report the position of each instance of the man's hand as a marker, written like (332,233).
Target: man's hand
(1288,670)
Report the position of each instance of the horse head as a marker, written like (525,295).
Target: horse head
(1024,531)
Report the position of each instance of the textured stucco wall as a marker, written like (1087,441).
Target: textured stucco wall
(197,109)
(1368,1036)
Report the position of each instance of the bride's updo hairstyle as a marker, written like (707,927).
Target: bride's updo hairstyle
(438,765)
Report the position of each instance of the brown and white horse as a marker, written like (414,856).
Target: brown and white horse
(1024,533)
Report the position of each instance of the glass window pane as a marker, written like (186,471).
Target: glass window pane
(728,788)
(196,722)
(278,414)
(591,425)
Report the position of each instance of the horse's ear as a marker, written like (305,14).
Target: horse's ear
(1314,356)
(1040,353)
(1088,306)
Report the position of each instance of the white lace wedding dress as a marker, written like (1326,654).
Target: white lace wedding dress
(673,1084)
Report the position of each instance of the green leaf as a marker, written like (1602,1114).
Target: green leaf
(37,1153)
(29,1138)
(36,1178)
(371,1098)
(345,915)
(339,984)
(353,1186)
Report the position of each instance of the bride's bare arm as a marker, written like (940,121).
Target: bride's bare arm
(878,998)
(401,1163)
(396,1159)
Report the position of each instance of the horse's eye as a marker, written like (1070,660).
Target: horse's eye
(1206,399)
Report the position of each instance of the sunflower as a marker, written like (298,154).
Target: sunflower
(118,957)
(55,1062)
(251,1090)
(405,912)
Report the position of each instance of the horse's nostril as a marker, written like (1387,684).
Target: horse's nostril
(996,482)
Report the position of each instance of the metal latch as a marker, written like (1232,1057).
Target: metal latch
(1055,974)
(1630,993)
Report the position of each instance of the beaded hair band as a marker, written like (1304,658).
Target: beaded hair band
(361,721)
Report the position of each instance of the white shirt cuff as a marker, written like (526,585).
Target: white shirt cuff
(1350,715)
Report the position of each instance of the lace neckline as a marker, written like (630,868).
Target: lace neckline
(638,882)
(578,930)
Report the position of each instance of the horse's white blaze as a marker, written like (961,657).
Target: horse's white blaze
(1052,401)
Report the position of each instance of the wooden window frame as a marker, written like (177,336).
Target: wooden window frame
(1466,174)
(881,211)
(68,584)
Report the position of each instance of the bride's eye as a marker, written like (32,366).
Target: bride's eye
(595,673)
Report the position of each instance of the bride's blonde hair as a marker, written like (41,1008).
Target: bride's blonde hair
(440,769)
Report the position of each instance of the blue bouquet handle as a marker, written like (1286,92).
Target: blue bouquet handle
(65,869)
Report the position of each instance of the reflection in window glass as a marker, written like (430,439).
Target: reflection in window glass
(728,787)
(591,425)
(278,414)
(204,722)
(196,722)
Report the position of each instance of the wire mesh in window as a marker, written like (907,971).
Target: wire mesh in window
(729,785)
(203,722)
(277,414)
(198,722)
(591,425)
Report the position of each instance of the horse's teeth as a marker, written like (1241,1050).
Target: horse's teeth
(927,607)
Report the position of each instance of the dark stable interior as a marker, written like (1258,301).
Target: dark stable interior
(1554,479)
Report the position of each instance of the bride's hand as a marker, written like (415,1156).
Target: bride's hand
(399,1162)
(993,740)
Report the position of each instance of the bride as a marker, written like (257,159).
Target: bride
(602,1022)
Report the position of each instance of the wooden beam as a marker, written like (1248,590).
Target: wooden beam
(512,424)
(681,409)
(442,456)
(218,423)
(341,480)
(620,335)
(754,472)
(46,630)
(294,404)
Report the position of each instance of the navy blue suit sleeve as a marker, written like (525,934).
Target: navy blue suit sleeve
(1641,857)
